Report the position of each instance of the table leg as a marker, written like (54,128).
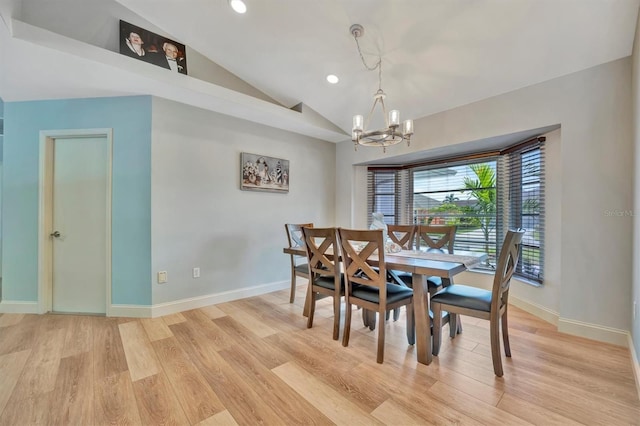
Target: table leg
(423,322)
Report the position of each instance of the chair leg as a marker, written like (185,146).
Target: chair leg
(372,318)
(292,294)
(336,318)
(307,301)
(453,327)
(365,317)
(387,315)
(396,314)
(437,327)
(494,330)
(381,327)
(411,325)
(347,325)
(505,334)
(312,308)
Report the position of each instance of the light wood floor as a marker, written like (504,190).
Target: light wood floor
(253,361)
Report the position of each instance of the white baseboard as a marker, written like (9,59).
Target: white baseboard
(130,311)
(535,309)
(141,311)
(576,328)
(212,299)
(18,307)
(635,363)
(594,331)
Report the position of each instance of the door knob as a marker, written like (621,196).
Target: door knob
(55,234)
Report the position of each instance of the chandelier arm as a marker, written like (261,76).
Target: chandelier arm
(366,124)
(384,113)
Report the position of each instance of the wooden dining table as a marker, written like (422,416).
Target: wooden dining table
(422,265)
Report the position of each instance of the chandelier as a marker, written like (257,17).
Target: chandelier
(391,134)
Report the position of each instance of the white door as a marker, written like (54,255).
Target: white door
(79,265)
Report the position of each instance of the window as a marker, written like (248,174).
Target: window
(484,195)
(382,195)
(524,199)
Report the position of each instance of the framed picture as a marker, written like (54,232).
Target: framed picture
(262,173)
(155,49)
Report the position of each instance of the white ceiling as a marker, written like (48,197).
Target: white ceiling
(436,54)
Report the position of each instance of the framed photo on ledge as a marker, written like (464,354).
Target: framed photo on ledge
(262,173)
(152,48)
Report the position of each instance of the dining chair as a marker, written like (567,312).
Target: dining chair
(366,283)
(486,304)
(405,237)
(325,277)
(298,269)
(435,238)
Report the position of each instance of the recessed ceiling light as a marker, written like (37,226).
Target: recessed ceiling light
(333,79)
(238,6)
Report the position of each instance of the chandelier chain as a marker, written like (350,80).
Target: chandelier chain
(378,64)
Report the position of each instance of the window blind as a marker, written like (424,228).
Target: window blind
(483,194)
(522,199)
(390,193)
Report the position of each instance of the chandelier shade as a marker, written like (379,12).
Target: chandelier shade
(391,134)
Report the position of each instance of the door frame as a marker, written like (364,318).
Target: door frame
(45,211)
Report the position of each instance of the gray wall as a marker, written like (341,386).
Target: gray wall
(201,218)
(635,329)
(591,177)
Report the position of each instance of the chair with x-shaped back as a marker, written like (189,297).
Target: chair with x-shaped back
(298,269)
(325,277)
(437,238)
(486,304)
(403,235)
(366,283)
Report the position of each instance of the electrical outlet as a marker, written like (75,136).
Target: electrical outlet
(162,277)
(196,272)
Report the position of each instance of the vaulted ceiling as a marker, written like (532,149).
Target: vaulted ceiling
(436,54)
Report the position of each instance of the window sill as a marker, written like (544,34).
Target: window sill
(520,279)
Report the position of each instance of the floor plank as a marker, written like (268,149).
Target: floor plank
(244,317)
(196,397)
(40,371)
(157,402)
(336,407)
(79,338)
(290,406)
(10,319)
(140,355)
(156,328)
(11,366)
(108,353)
(533,413)
(115,402)
(72,400)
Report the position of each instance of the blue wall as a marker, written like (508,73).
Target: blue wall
(130,119)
